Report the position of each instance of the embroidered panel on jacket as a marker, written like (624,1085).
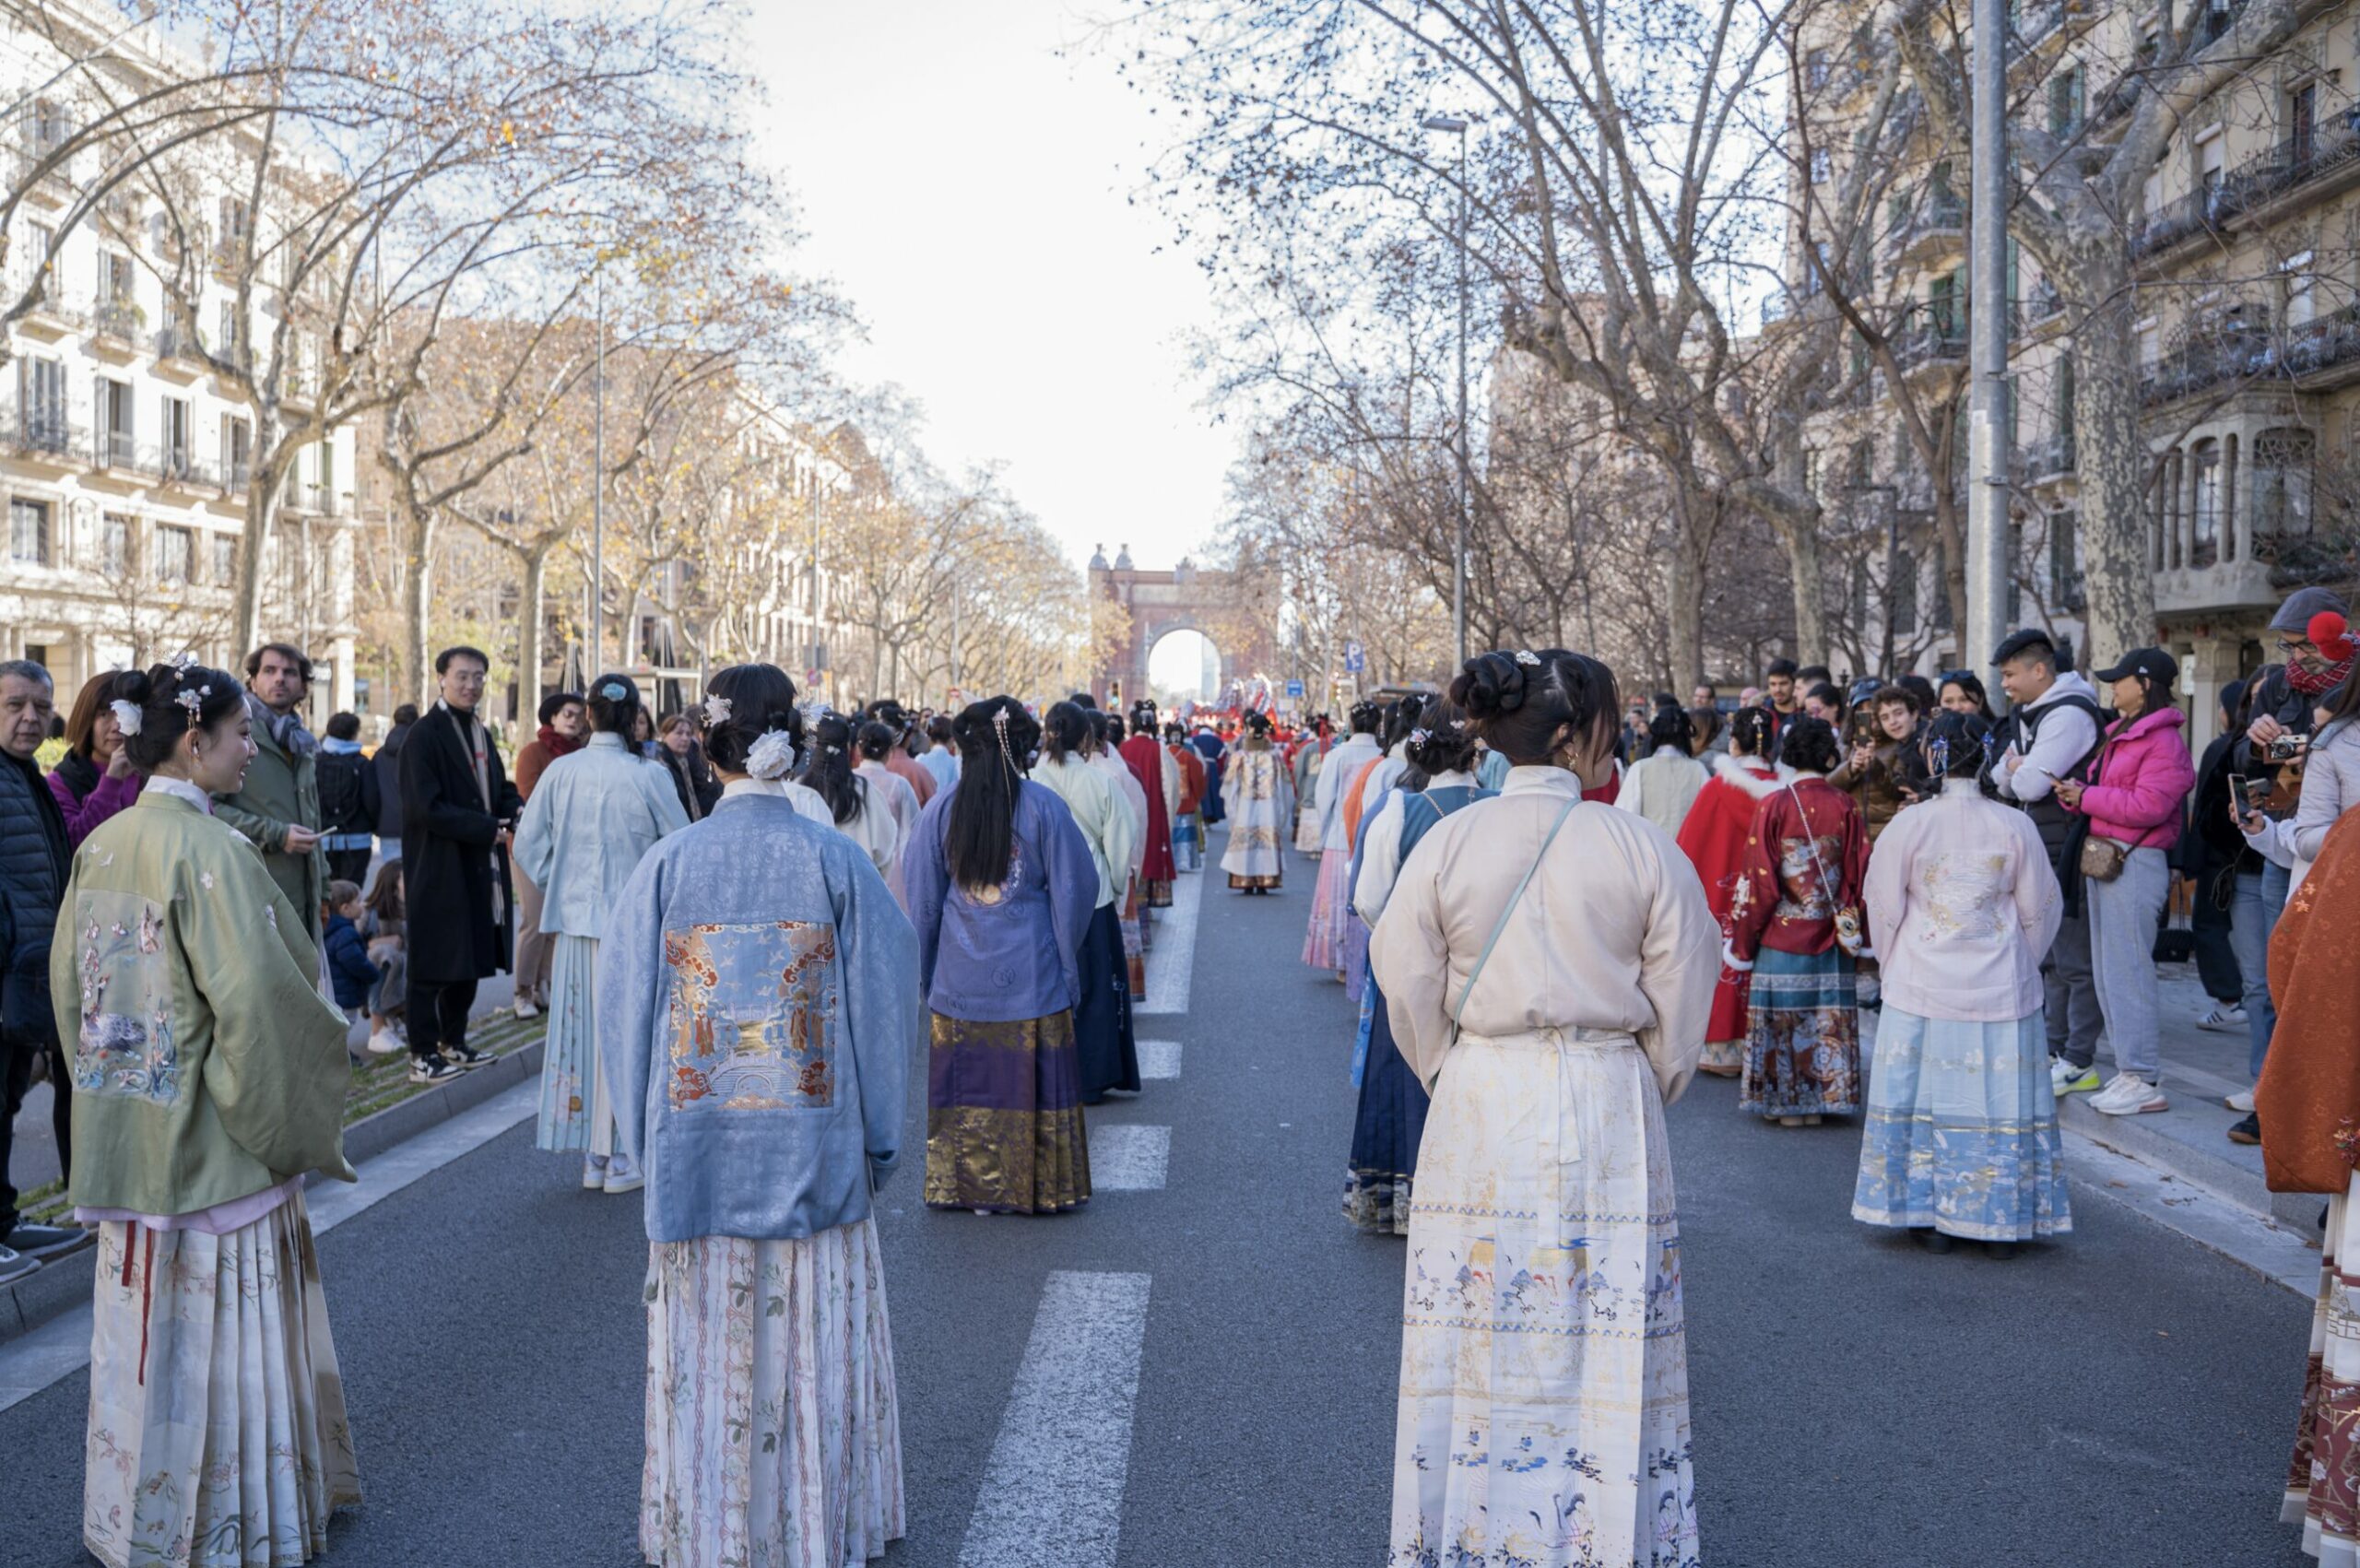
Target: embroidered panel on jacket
(753,1015)
(126,1045)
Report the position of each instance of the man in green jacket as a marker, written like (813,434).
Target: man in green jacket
(280,806)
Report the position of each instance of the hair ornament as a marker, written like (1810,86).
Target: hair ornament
(615,691)
(772,756)
(1421,735)
(1527,656)
(999,733)
(183,661)
(1458,726)
(194,701)
(127,717)
(716,712)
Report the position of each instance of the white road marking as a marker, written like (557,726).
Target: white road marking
(1174,952)
(61,1346)
(1052,1495)
(1125,1157)
(1159,1058)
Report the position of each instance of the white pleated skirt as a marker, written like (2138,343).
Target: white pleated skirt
(217,1435)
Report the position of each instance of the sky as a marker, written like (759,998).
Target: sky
(969,191)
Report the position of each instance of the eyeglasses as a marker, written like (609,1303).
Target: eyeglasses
(2300,645)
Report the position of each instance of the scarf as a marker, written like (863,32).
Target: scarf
(2328,677)
(286,730)
(559,745)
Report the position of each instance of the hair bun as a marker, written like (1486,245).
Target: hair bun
(1490,686)
(134,686)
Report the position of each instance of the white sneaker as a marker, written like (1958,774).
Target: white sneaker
(2223,1019)
(622,1176)
(2241,1102)
(525,1008)
(2065,1078)
(593,1172)
(2128,1095)
(385,1043)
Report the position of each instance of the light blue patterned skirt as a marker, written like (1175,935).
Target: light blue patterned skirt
(1961,1132)
(575,1112)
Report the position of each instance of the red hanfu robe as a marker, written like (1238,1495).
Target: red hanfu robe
(1713,837)
(1144,756)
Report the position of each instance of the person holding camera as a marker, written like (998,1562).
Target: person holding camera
(2326,766)
(278,805)
(2133,804)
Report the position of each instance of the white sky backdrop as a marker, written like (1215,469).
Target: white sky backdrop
(969,191)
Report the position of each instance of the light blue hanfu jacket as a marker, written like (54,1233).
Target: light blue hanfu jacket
(758,1011)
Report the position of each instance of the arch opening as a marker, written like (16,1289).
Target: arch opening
(1184,665)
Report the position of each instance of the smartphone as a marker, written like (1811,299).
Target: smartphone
(2250,794)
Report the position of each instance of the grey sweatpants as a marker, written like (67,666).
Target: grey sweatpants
(2071,999)
(2123,917)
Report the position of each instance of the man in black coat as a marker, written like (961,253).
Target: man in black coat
(457,809)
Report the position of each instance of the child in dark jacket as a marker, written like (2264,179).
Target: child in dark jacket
(349,966)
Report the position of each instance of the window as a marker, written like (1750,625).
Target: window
(179,457)
(2204,462)
(1815,71)
(2065,102)
(1822,166)
(2150,338)
(114,543)
(2302,123)
(115,427)
(118,310)
(2282,484)
(1904,593)
(229,334)
(29,531)
(40,403)
(324,493)
(44,250)
(1945,306)
(2209,163)
(2301,305)
(175,553)
(50,129)
(225,560)
(2065,559)
(237,450)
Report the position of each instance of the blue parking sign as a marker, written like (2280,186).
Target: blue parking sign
(1356,657)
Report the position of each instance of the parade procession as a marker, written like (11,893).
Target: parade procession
(1686,892)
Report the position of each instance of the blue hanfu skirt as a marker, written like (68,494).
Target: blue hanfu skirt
(1803,1048)
(1391,1119)
(1961,1131)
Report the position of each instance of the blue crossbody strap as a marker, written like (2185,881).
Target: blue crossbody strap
(1515,899)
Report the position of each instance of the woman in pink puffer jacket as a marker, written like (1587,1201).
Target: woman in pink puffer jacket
(2136,797)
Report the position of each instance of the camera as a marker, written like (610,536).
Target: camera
(2287,748)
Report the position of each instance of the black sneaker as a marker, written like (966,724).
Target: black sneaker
(48,1241)
(15,1265)
(433,1068)
(465,1054)
(2248,1130)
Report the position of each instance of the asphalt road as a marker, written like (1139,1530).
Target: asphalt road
(2123,1397)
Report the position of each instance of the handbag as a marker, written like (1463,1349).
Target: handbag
(2103,858)
(1851,929)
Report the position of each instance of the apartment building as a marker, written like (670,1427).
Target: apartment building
(2248,275)
(124,466)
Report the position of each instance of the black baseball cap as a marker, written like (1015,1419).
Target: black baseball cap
(2152,663)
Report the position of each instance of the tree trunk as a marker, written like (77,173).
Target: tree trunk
(1953,542)
(416,599)
(262,511)
(2112,459)
(529,632)
(1801,546)
(1685,607)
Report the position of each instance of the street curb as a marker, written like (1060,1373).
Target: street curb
(59,1287)
(2224,1178)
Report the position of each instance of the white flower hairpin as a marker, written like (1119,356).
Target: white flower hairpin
(183,661)
(716,709)
(1527,656)
(194,699)
(772,756)
(127,717)
(1421,735)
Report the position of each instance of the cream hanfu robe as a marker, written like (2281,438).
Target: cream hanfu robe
(1543,1415)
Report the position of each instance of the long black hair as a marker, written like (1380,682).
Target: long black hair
(995,736)
(158,692)
(1444,743)
(1526,705)
(761,698)
(1065,734)
(613,704)
(829,774)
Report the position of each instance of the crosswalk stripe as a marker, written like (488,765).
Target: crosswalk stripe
(1174,952)
(1125,1157)
(1159,1058)
(1052,1493)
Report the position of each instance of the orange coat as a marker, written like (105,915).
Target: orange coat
(2309,1092)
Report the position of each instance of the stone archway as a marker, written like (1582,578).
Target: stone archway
(1190,653)
(1236,611)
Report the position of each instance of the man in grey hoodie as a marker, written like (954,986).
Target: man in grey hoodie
(2052,732)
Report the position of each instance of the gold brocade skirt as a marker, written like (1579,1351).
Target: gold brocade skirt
(1003,1124)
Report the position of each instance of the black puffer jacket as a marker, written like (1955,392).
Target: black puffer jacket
(33,862)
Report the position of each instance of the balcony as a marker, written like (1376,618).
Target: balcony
(2311,357)
(42,435)
(1934,232)
(1926,343)
(117,327)
(2303,163)
(178,354)
(2038,309)
(234,476)
(177,470)
(2051,461)
(52,188)
(2193,215)
(112,453)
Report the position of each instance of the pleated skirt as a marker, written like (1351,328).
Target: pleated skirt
(217,1435)
(1323,941)
(1802,1049)
(1385,1129)
(575,1112)
(1306,828)
(774,1430)
(1187,842)
(1104,1044)
(2323,1476)
(1003,1124)
(1961,1130)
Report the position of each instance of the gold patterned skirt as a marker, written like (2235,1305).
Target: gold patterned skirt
(1003,1122)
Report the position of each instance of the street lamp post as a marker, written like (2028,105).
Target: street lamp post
(1459,555)
(1988,566)
(598,490)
